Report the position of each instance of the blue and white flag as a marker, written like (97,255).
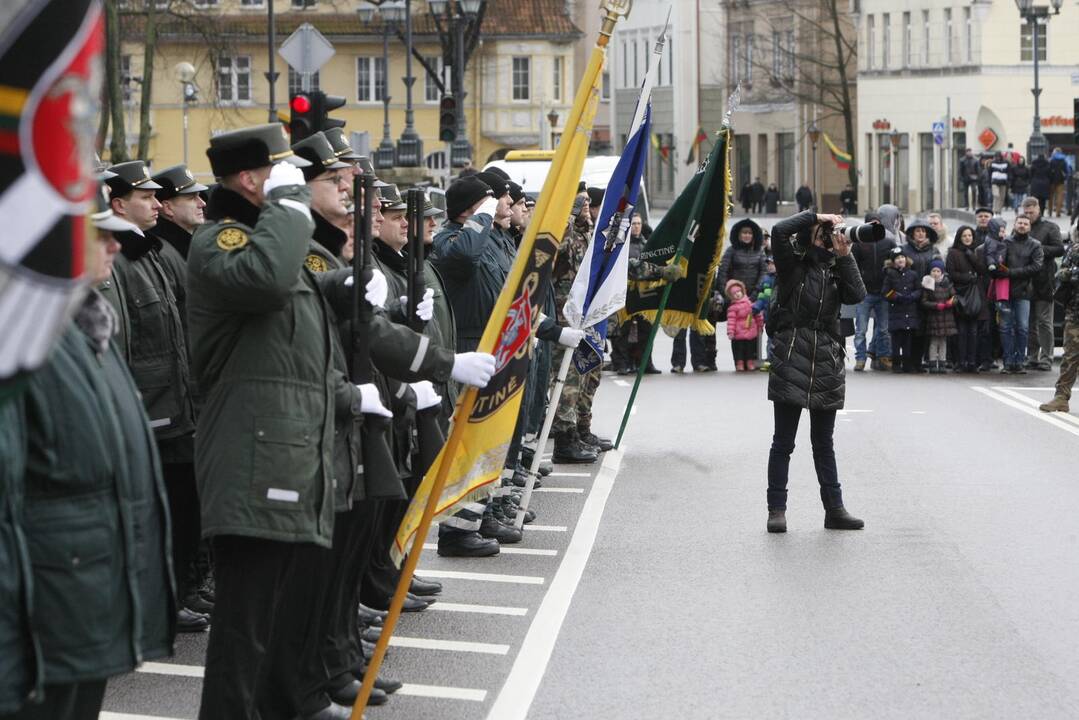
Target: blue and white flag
(599,290)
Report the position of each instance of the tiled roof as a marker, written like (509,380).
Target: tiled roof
(516,19)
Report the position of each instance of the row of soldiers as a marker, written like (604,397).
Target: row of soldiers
(202,451)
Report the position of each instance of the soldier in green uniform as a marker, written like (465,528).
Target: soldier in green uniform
(150,283)
(182,207)
(1067,293)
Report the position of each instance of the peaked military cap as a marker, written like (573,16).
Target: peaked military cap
(251,148)
(132,175)
(429,207)
(316,149)
(391,198)
(341,147)
(177,180)
(103,217)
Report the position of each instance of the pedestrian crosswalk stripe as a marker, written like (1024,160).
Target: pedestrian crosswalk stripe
(504,550)
(442,692)
(559,490)
(157,668)
(1029,410)
(1067,417)
(546,528)
(451,645)
(482,577)
(478,609)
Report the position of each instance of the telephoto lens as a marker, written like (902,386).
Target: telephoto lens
(866,232)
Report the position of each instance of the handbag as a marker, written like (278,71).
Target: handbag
(969,301)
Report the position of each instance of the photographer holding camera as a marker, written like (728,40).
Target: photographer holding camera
(815,275)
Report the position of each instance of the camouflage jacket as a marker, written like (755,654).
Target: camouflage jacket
(1068,275)
(570,255)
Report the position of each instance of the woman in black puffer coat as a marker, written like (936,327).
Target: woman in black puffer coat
(815,274)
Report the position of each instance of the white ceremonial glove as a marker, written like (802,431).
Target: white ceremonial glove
(426,397)
(473,368)
(371,402)
(424,308)
(377,289)
(570,337)
(283,174)
(489,207)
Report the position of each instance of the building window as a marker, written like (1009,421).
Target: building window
(370,79)
(605,86)
(948,35)
(885,39)
(908,41)
(234,78)
(968,31)
(670,60)
(625,63)
(125,78)
(736,54)
(777,56)
(522,79)
(430,87)
(747,60)
(925,38)
(789,74)
(252,3)
(302,4)
(636,65)
(295,81)
(870,41)
(785,153)
(556,81)
(1026,43)
(206,3)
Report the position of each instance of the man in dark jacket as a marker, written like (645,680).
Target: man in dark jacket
(758,196)
(968,178)
(804,197)
(1058,178)
(1040,183)
(1041,343)
(982,216)
(870,257)
(1068,277)
(1024,262)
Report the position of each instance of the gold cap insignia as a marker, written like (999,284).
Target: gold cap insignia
(231,239)
(316,263)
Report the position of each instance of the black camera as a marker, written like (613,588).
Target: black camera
(862,232)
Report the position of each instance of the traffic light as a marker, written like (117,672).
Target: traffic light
(447,118)
(302,116)
(328,103)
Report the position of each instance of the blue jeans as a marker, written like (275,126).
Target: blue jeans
(1014,330)
(881,345)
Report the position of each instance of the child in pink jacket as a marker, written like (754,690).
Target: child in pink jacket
(743,326)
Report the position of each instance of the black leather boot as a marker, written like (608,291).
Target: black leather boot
(839,519)
(568,450)
(777,521)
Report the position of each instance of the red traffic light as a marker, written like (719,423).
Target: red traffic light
(301,104)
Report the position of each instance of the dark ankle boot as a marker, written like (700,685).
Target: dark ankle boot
(839,519)
(777,521)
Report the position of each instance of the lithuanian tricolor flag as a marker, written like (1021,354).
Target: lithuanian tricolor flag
(840,158)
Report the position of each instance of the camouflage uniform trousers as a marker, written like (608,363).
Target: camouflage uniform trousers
(1069,366)
(574,412)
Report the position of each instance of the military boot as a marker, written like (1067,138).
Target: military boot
(569,450)
(492,529)
(1057,404)
(839,519)
(587,437)
(777,521)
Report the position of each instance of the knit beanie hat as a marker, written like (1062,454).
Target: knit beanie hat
(463,193)
(938,263)
(496,182)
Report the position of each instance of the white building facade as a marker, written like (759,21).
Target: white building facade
(965,65)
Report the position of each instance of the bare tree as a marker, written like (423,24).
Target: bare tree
(114,81)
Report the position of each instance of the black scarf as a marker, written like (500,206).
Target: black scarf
(135,245)
(390,258)
(173,234)
(328,236)
(225,203)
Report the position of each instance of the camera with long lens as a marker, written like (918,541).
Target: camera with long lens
(861,232)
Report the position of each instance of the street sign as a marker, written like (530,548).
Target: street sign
(306,50)
(938,133)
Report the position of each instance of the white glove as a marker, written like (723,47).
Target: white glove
(473,368)
(489,207)
(282,174)
(426,397)
(371,402)
(570,337)
(424,308)
(377,289)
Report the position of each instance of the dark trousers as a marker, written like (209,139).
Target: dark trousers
(902,350)
(267,617)
(821,428)
(702,349)
(967,357)
(186,526)
(744,350)
(919,347)
(69,701)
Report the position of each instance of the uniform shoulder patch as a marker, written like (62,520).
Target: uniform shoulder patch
(231,238)
(316,263)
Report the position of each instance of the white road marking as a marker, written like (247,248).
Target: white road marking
(478,609)
(451,645)
(157,668)
(633,410)
(621,383)
(570,474)
(1067,417)
(507,550)
(1032,411)
(443,692)
(516,695)
(482,577)
(548,489)
(126,716)
(546,528)
(917,412)
(848,411)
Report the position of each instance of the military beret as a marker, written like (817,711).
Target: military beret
(316,149)
(517,193)
(251,148)
(128,176)
(341,146)
(176,180)
(595,196)
(465,192)
(498,184)
(391,198)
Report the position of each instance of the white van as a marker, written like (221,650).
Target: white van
(529,168)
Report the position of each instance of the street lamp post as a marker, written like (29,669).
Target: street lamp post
(893,137)
(459,17)
(552,123)
(390,13)
(814,138)
(409,146)
(1036,17)
(185,73)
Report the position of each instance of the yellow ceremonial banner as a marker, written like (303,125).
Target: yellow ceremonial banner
(484,419)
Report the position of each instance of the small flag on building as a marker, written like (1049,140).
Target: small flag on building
(841,159)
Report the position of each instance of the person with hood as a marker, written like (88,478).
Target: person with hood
(743,326)
(968,275)
(1040,183)
(871,257)
(920,250)
(1023,262)
(771,199)
(816,274)
(990,248)
(1019,182)
(902,289)
(1047,232)
(744,258)
(1058,178)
